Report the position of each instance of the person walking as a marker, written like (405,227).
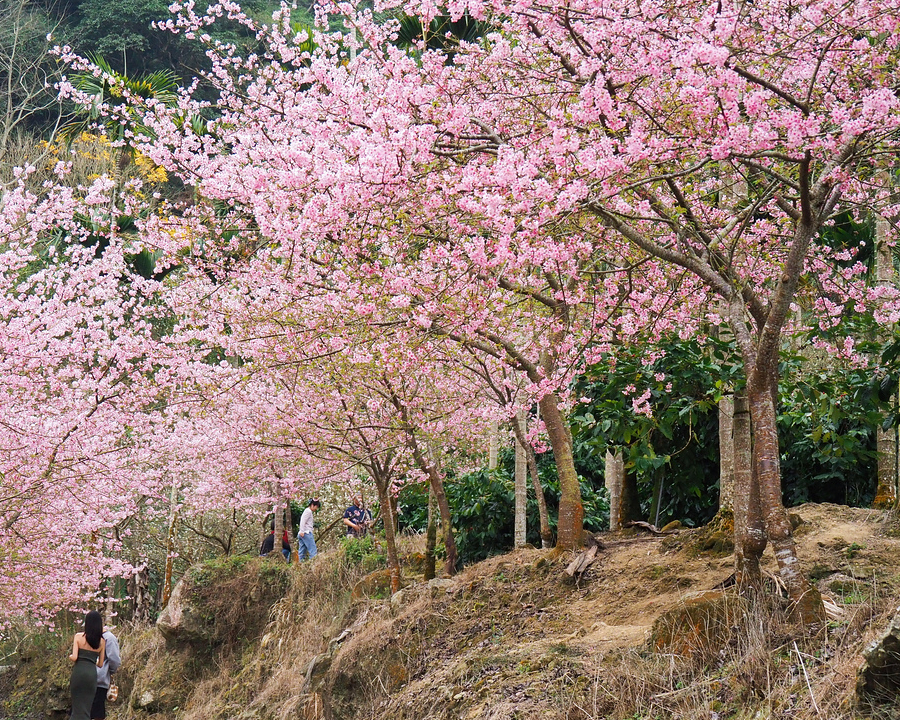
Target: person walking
(306,543)
(104,672)
(88,654)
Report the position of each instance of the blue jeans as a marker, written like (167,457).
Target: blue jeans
(306,546)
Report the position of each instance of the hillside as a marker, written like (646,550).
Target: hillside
(513,637)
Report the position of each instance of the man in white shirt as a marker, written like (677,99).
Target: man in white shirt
(306,543)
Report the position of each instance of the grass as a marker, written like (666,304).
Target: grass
(501,646)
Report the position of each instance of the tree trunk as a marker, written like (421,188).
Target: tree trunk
(278,510)
(570,523)
(521,437)
(613,476)
(659,483)
(886,494)
(493,445)
(387,514)
(292,535)
(749,529)
(434,478)
(170,545)
(807,602)
(139,590)
(758,335)
(521,489)
(437,485)
(631,501)
(431,535)
(727,451)
(886,444)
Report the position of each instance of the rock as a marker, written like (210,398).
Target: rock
(184,622)
(878,679)
(317,670)
(441,586)
(701,623)
(145,700)
(166,682)
(845,587)
(718,542)
(222,601)
(398,600)
(374,585)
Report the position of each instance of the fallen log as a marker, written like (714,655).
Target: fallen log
(582,562)
(648,527)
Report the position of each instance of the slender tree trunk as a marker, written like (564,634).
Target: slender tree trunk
(749,529)
(521,438)
(760,344)
(807,602)
(289,526)
(521,489)
(431,534)
(170,544)
(493,445)
(727,450)
(570,523)
(434,478)
(613,473)
(437,485)
(387,513)
(631,501)
(138,589)
(659,484)
(278,510)
(395,509)
(886,494)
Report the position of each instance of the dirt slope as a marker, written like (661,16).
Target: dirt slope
(510,638)
(515,637)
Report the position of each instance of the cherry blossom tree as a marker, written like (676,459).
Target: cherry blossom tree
(717,138)
(94,399)
(585,171)
(353,179)
(75,328)
(315,383)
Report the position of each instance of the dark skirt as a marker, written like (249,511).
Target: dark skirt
(83,684)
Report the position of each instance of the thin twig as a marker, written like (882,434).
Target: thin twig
(806,677)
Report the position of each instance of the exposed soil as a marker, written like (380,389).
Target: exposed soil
(511,638)
(516,637)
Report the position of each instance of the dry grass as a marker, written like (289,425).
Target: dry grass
(268,680)
(473,653)
(767,671)
(511,639)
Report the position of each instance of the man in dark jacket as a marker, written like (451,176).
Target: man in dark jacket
(269,544)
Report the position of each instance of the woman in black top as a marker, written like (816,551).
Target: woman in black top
(88,649)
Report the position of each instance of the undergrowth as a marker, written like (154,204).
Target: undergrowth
(268,679)
(507,639)
(229,589)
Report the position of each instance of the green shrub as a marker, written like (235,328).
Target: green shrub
(482,505)
(363,553)
(232,595)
